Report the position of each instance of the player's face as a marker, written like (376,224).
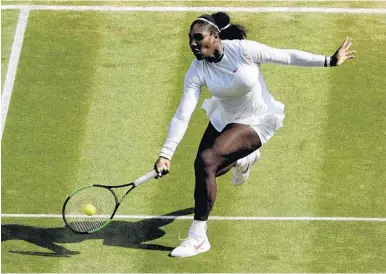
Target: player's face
(202,42)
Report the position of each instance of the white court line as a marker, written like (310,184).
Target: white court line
(216,218)
(12,66)
(198,9)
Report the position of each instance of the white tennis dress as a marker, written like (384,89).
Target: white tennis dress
(239,94)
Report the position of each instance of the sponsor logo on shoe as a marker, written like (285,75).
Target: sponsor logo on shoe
(196,247)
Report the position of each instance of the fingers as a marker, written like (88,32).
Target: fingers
(346,56)
(346,43)
(349,43)
(161,171)
(164,170)
(351,54)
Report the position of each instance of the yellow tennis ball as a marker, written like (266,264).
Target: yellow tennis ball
(89,209)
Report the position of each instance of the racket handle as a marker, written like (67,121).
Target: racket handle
(152,174)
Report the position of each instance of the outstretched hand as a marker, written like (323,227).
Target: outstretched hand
(343,53)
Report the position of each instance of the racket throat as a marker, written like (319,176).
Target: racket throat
(115,210)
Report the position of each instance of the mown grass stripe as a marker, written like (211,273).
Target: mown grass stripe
(354,143)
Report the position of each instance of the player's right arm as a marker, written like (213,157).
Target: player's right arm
(179,122)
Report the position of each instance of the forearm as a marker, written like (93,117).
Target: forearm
(299,58)
(176,132)
(306,59)
(260,53)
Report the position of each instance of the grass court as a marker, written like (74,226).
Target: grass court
(93,96)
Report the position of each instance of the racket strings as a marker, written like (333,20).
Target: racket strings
(79,210)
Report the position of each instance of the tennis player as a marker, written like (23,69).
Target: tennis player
(243,114)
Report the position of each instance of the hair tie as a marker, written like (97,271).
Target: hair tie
(214,25)
(227,26)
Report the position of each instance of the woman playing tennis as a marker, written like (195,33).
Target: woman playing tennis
(243,114)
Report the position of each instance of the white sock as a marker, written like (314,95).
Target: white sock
(199,227)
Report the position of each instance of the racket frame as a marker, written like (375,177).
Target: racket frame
(139,181)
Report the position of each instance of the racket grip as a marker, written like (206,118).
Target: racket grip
(152,174)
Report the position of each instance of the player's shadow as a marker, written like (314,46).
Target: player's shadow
(117,233)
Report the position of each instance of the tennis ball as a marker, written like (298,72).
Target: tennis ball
(89,209)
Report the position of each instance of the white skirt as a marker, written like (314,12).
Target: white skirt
(265,124)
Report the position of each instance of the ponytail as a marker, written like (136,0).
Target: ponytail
(228,31)
(220,22)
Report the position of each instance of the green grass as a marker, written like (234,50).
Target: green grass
(93,98)
(261,247)
(52,95)
(8,28)
(354,136)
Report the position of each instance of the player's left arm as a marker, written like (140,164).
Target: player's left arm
(261,53)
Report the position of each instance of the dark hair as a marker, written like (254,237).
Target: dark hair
(226,30)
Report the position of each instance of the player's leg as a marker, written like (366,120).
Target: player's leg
(235,142)
(217,152)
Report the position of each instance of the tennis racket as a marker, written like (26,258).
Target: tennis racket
(91,208)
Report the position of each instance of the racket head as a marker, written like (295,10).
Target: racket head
(76,209)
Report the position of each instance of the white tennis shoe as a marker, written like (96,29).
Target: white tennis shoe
(191,246)
(241,172)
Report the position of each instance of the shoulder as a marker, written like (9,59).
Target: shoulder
(232,44)
(242,48)
(240,43)
(195,72)
(195,64)
(234,49)
(195,68)
(249,44)
(253,50)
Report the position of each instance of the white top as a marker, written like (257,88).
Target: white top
(236,85)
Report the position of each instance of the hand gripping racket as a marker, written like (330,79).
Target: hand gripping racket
(91,208)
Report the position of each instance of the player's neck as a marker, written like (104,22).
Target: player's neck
(217,55)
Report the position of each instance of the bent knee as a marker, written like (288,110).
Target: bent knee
(207,160)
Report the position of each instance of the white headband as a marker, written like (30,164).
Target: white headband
(214,25)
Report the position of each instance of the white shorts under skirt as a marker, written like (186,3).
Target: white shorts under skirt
(265,126)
